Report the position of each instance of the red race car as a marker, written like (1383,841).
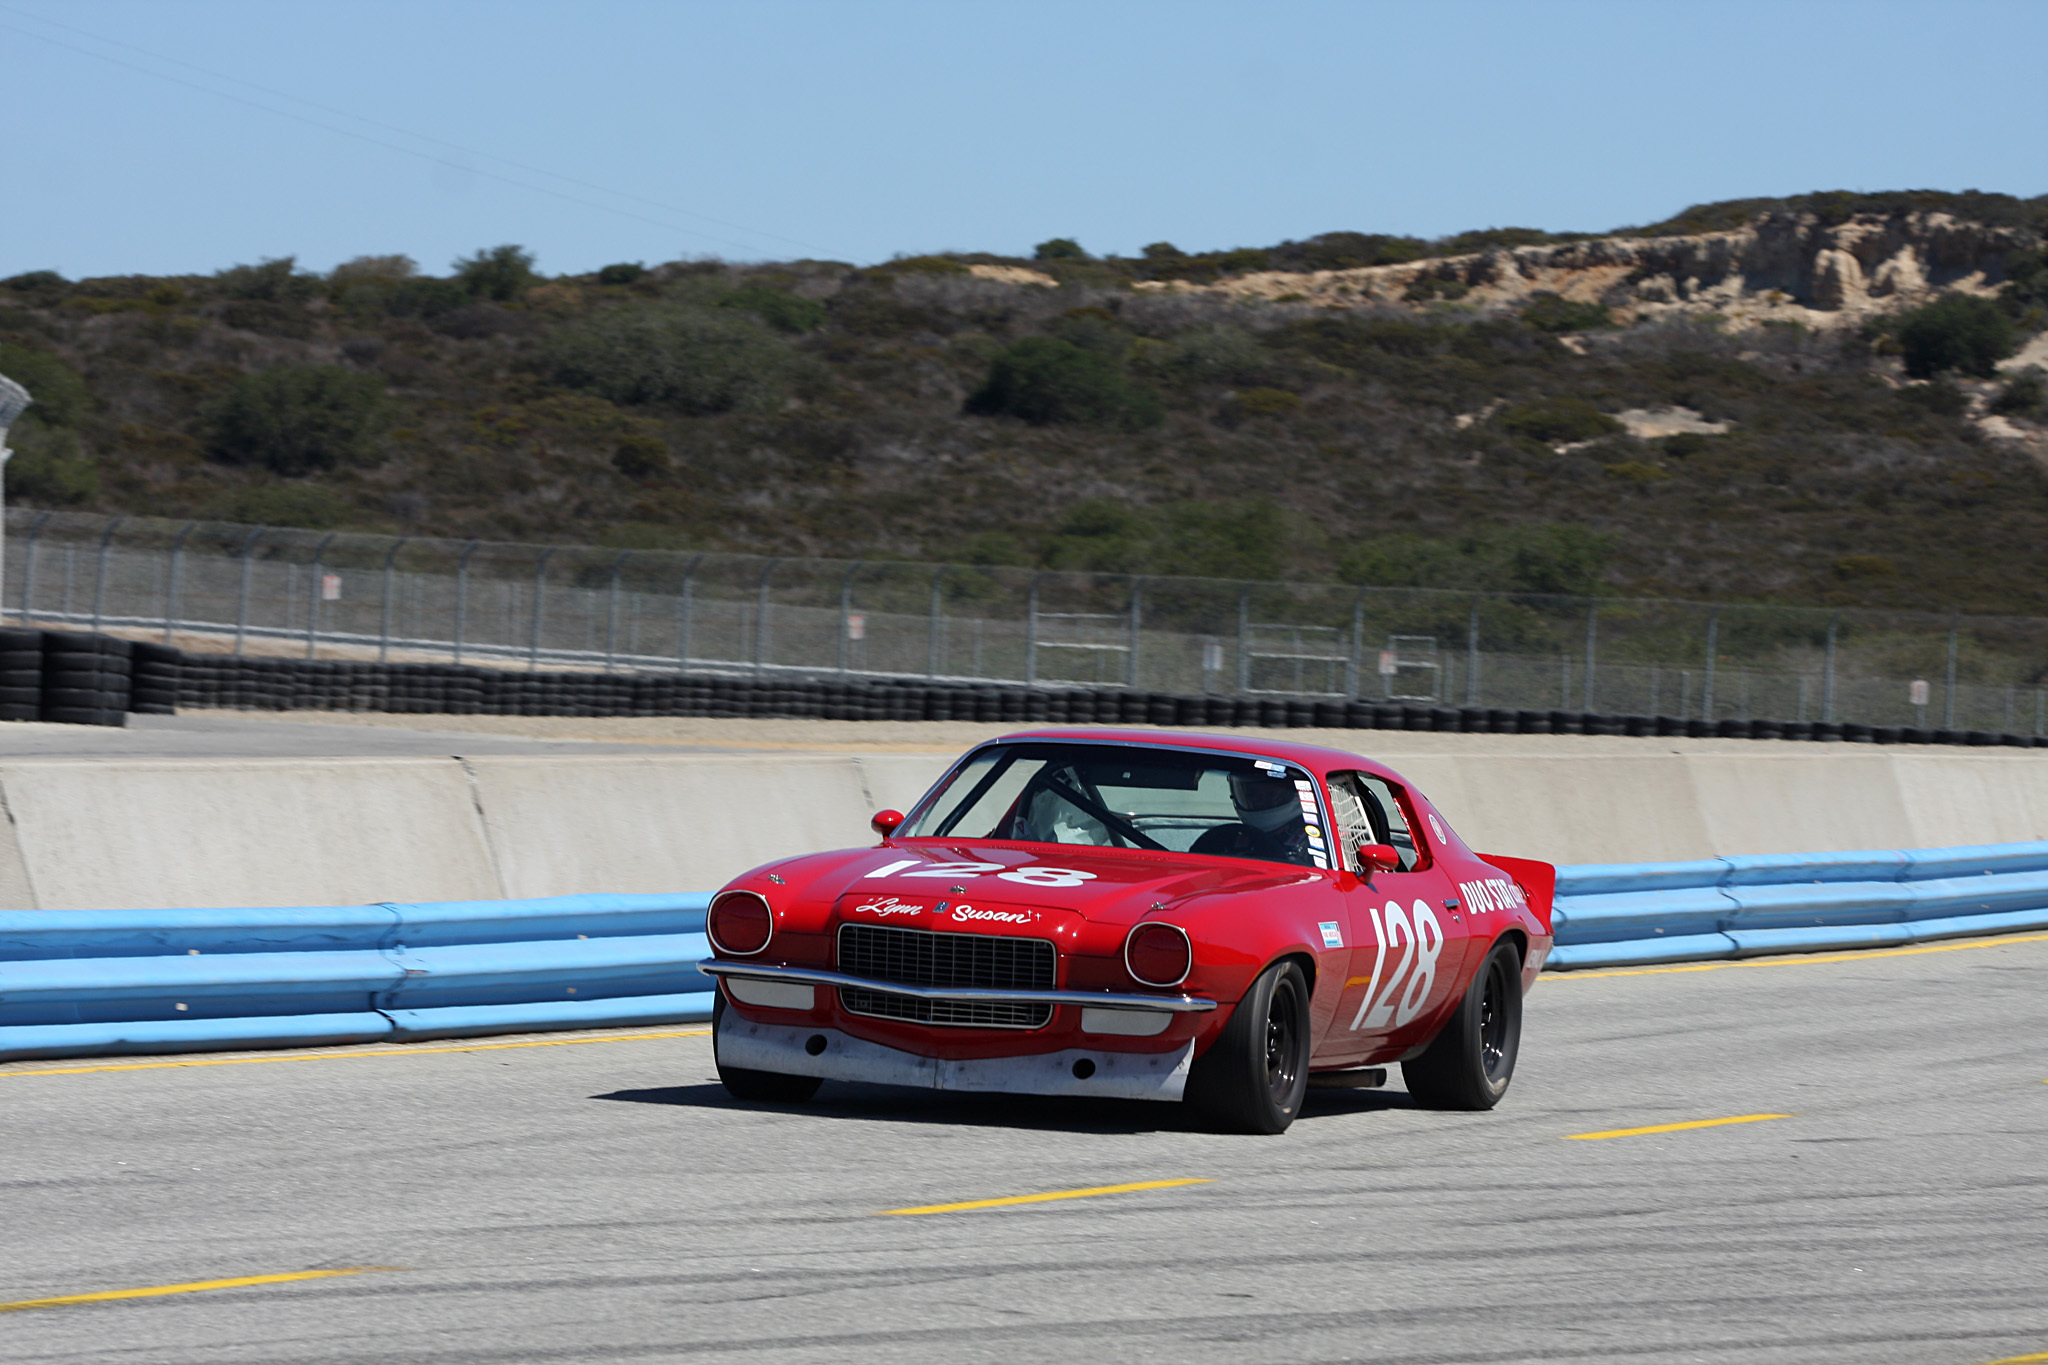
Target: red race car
(1138,914)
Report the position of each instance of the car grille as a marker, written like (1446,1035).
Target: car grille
(919,957)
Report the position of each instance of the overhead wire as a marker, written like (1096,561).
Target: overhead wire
(382,143)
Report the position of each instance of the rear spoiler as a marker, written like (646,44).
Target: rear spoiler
(1537,880)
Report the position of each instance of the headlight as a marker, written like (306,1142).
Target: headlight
(1158,954)
(740,923)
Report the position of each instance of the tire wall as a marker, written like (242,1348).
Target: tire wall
(135,834)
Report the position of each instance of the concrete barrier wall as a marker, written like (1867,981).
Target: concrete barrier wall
(132,834)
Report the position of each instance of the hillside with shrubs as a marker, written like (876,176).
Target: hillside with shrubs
(1834,399)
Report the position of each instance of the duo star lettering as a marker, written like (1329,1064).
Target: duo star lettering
(1493,893)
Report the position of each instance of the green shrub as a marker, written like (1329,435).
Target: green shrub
(297,419)
(1554,313)
(424,298)
(1559,421)
(1045,380)
(49,468)
(1059,249)
(379,268)
(1855,567)
(2025,395)
(2026,276)
(641,455)
(625,272)
(700,360)
(1245,539)
(1939,397)
(1957,332)
(500,274)
(780,309)
(1266,402)
(1426,288)
(35,282)
(1220,354)
(1541,558)
(308,506)
(276,280)
(61,397)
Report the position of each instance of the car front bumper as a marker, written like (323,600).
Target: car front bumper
(805,1050)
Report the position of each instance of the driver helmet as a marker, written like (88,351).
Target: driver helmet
(1264,801)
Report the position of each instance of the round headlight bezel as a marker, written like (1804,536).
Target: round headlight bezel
(711,923)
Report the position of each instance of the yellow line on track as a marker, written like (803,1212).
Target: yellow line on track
(2035,1359)
(1040,1198)
(195,1287)
(1803,960)
(347,1056)
(1671,1127)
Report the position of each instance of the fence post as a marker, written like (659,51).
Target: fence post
(28,564)
(1707,683)
(1827,685)
(846,614)
(171,579)
(1137,599)
(1948,698)
(611,611)
(99,586)
(1472,655)
(761,619)
(931,659)
(1354,669)
(462,593)
(384,624)
(1244,633)
(683,616)
(1592,634)
(540,583)
(248,566)
(1031,632)
(313,601)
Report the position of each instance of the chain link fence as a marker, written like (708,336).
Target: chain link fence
(251,589)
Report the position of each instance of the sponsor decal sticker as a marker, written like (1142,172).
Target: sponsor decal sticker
(1332,937)
(1437,829)
(967,914)
(1493,893)
(887,906)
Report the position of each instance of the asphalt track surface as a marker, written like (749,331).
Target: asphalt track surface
(585,1199)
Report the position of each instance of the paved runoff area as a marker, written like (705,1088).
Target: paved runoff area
(1795,1160)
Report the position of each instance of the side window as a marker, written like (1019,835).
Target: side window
(1354,824)
(1383,801)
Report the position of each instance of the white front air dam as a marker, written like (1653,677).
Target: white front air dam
(1115,1075)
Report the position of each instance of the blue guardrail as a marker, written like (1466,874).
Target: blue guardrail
(85,982)
(1629,914)
(93,982)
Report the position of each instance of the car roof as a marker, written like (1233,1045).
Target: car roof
(1315,757)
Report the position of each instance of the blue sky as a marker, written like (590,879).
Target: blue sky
(182,136)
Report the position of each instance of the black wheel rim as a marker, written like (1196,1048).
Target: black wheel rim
(1283,1060)
(1493,1023)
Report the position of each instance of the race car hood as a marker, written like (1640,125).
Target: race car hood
(1005,887)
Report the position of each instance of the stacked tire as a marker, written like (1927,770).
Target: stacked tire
(21,675)
(85,678)
(154,676)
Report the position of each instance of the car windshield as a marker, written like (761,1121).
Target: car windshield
(1126,796)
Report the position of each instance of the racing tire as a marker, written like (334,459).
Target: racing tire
(1253,1077)
(1472,1058)
(764,1087)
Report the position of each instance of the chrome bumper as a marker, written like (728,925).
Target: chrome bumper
(799,1050)
(810,976)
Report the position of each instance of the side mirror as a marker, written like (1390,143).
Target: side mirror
(1379,858)
(886,821)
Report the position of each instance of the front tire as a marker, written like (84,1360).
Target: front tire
(761,1087)
(1469,1063)
(1253,1077)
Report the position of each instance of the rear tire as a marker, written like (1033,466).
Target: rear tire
(1469,1063)
(1253,1077)
(763,1087)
